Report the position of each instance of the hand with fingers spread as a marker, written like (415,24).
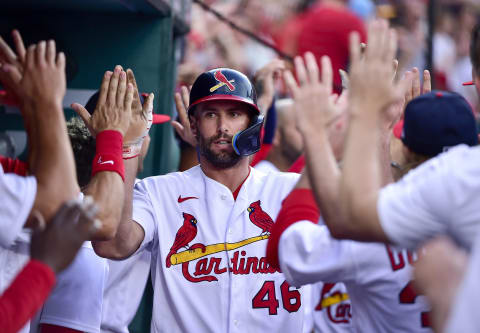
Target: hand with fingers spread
(42,81)
(414,89)
(182,126)
(11,61)
(114,107)
(371,85)
(264,81)
(57,242)
(315,106)
(142,117)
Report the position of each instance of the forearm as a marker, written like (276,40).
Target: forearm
(384,158)
(107,190)
(52,157)
(324,176)
(361,176)
(126,238)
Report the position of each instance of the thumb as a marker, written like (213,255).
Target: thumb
(81,112)
(85,115)
(148,103)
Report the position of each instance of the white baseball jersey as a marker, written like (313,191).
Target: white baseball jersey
(12,260)
(124,290)
(332,308)
(222,282)
(441,196)
(266,166)
(18,195)
(377,277)
(17,198)
(463,315)
(76,300)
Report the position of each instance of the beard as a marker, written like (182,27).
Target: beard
(221,160)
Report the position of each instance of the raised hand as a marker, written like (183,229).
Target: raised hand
(264,81)
(114,107)
(43,78)
(182,127)
(11,61)
(315,106)
(56,243)
(371,85)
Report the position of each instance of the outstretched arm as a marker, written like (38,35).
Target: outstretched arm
(317,114)
(372,92)
(36,80)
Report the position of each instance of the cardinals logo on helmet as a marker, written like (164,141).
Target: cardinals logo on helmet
(222,79)
(259,217)
(185,235)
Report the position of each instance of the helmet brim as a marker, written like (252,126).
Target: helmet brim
(246,101)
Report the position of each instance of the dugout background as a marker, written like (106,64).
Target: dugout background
(95,35)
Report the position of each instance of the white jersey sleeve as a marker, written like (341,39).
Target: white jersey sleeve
(76,300)
(18,195)
(143,213)
(307,254)
(463,315)
(438,197)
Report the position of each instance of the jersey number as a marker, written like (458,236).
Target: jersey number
(408,296)
(266,298)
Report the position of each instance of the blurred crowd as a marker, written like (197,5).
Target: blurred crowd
(295,26)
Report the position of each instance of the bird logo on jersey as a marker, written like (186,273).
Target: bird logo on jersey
(259,217)
(222,79)
(185,235)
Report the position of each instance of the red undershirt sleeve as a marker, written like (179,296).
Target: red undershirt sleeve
(24,297)
(13,166)
(299,205)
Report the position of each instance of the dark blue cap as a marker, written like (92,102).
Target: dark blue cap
(437,121)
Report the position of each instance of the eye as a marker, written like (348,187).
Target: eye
(209,114)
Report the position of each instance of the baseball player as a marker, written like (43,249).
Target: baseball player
(36,77)
(377,276)
(208,226)
(437,198)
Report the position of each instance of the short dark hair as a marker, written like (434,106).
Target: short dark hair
(475,49)
(83,146)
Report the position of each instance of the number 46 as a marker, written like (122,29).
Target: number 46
(266,298)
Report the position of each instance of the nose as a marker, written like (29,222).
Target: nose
(223,125)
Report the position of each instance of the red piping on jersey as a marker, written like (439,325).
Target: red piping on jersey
(298,206)
(48,328)
(25,296)
(235,193)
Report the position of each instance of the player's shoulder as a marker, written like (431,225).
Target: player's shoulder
(275,176)
(178,177)
(455,162)
(275,183)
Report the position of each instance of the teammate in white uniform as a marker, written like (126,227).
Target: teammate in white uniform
(39,93)
(208,225)
(377,277)
(332,308)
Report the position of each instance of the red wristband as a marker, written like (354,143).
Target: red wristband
(108,156)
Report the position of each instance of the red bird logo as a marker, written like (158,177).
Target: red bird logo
(185,235)
(260,218)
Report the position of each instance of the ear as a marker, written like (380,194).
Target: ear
(193,125)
